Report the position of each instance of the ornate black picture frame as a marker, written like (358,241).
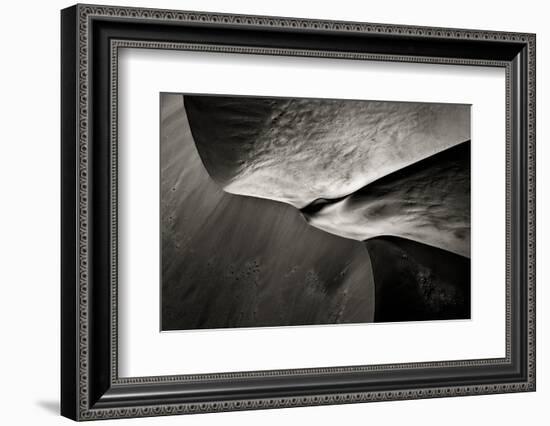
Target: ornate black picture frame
(90,39)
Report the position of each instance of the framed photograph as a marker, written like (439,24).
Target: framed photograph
(263,212)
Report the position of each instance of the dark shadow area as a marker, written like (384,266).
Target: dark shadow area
(427,201)
(416,282)
(52,407)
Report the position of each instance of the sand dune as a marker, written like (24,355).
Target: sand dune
(389,168)
(299,150)
(236,261)
(428,202)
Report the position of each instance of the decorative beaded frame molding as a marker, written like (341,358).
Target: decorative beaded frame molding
(84,409)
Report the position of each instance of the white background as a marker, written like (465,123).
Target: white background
(29,229)
(146,352)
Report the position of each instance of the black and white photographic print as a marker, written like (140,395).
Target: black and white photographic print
(302,211)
